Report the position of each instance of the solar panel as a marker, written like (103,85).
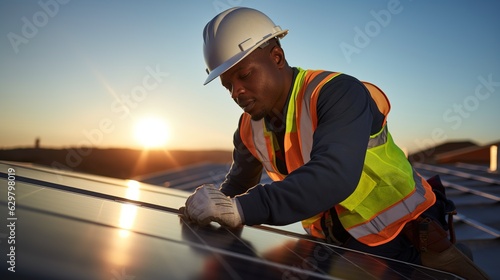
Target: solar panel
(75,226)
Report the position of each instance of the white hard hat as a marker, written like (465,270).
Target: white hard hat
(234,34)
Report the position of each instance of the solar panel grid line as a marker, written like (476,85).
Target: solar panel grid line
(63,173)
(94,222)
(286,232)
(96,179)
(375,262)
(282,266)
(325,263)
(462,188)
(85,220)
(482,168)
(19,197)
(52,175)
(358,264)
(494,232)
(462,174)
(93,193)
(312,262)
(151,194)
(233,274)
(354,263)
(487,198)
(396,267)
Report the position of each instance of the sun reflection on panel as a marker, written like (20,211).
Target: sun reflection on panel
(127,218)
(133,189)
(119,253)
(129,211)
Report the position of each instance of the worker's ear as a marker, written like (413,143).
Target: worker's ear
(278,56)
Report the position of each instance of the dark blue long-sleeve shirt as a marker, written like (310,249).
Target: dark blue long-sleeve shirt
(347,115)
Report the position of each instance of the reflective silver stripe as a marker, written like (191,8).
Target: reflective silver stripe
(378,140)
(259,141)
(394,213)
(306,129)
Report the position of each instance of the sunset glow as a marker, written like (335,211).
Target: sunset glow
(151,133)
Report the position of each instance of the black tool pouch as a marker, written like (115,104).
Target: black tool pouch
(333,229)
(444,208)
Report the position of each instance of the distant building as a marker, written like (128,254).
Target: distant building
(452,152)
(429,155)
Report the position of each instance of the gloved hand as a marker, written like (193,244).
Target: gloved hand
(208,204)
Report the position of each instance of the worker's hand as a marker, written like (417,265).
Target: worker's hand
(208,204)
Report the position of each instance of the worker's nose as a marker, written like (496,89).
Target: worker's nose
(236,91)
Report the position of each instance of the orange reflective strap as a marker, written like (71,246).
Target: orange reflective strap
(293,156)
(253,135)
(380,99)
(315,95)
(246,134)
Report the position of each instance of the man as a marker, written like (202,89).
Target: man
(323,139)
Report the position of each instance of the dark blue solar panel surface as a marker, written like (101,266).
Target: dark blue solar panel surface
(74,226)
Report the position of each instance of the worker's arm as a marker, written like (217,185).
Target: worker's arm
(346,116)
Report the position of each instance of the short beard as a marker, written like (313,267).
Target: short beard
(258,116)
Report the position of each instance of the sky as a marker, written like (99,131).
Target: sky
(86,73)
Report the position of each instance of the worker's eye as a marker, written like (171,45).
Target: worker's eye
(245,75)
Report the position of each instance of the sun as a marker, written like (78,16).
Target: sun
(151,132)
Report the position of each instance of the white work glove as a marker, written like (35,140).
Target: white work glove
(208,204)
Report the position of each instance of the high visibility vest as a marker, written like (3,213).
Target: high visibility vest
(389,193)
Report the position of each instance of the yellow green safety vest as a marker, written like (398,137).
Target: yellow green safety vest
(389,193)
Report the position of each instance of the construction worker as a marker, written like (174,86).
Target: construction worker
(323,138)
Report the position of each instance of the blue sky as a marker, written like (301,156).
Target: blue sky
(84,72)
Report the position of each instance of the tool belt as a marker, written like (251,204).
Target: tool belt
(427,235)
(431,234)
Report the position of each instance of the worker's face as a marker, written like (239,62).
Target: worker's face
(256,84)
